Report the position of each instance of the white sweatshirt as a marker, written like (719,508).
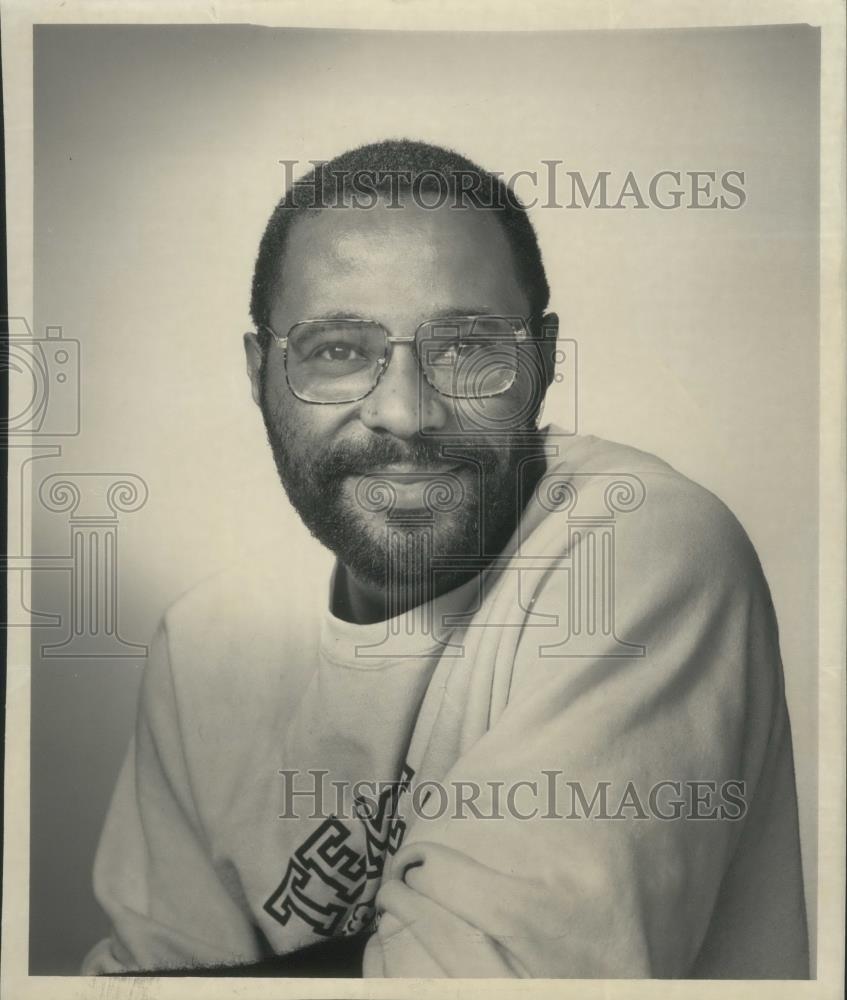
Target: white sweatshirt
(596,699)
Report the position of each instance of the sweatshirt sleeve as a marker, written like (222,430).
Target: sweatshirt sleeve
(153,874)
(589,869)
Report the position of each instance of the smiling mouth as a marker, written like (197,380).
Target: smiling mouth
(404,473)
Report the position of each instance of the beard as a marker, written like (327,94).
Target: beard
(470,511)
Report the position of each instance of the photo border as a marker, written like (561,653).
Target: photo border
(18,18)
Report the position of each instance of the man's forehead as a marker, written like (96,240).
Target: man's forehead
(403,251)
(347,232)
(354,248)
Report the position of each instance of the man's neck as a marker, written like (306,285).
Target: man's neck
(363,604)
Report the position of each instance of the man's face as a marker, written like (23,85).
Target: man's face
(400,267)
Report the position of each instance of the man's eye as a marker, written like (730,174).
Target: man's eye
(337,352)
(455,354)
(444,355)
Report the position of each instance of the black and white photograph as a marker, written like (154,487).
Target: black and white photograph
(425,462)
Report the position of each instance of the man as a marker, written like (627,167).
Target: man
(529,723)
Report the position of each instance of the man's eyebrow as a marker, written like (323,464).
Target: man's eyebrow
(462,311)
(339,314)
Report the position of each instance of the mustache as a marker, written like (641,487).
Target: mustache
(349,458)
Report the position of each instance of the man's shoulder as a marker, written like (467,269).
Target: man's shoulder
(660,515)
(228,667)
(653,559)
(590,452)
(253,618)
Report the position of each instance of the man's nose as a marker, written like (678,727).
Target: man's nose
(403,403)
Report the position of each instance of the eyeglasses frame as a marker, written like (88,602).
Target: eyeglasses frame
(520,327)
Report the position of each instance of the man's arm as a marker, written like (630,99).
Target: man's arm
(153,874)
(632,894)
(338,958)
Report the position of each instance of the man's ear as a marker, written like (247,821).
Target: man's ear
(253,350)
(549,331)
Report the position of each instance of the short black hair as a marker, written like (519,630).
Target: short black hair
(388,168)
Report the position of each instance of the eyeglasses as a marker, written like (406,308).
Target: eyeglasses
(342,360)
